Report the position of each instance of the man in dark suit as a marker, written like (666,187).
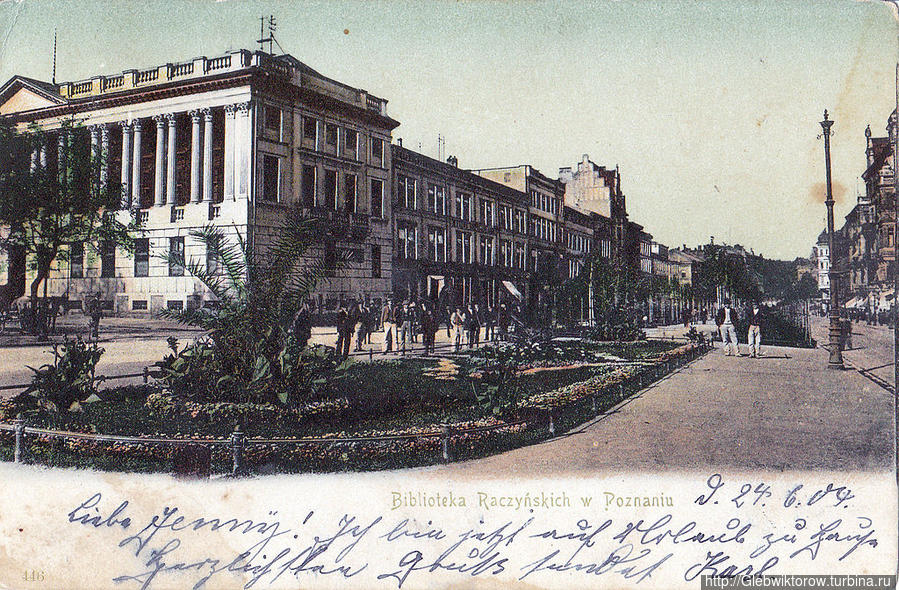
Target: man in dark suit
(726,320)
(755,331)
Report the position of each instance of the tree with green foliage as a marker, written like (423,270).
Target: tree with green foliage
(46,209)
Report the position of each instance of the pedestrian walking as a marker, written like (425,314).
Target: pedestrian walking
(361,326)
(387,322)
(344,331)
(755,332)
(95,311)
(457,319)
(429,329)
(449,323)
(302,325)
(403,322)
(503,318)
(725,320)
(489,323)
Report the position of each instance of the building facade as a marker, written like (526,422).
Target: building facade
(460,238)
(241,141)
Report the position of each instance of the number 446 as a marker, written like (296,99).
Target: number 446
(34,575)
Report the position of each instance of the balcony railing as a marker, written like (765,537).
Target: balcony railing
(341,223)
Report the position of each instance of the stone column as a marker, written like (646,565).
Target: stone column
(34,159)
(104,157)
(229,151)
(135,166)
(207,154)
(159,185)
(243,150)
(170,162)
(95,155)
(195,195)
(126,165)
(43,156)
(61,158)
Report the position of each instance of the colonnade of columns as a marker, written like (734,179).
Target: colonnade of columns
(165,173)
(237,144)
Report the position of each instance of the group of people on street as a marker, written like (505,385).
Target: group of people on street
(726,320)
(403,321)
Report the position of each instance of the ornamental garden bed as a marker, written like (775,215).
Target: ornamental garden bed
(377,415)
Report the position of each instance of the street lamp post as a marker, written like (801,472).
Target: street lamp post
(836,353)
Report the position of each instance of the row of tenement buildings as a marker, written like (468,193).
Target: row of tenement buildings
(865,252)
(245,139)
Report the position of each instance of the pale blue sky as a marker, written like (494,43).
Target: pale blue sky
(711,109)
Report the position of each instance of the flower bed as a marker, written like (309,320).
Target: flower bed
(410,438)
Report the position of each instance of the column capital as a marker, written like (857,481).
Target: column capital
(207,113)
(126,126)
(138,124)
(104,130)
(194,115)
(171,118)
(229,111)
(160,120)
(243,108)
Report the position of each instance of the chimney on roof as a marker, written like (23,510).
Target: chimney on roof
(453,161)
(399,141)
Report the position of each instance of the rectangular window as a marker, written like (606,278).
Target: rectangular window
(376,262)
(487,251)
(407,192)
(437,244)
(76,261)
(309,186)
(349,192)
(463,206)
(350,143)
(176,257)
(331,134)
(520,221)
(273,119)
(487,213)
(310,127)
(519,255)
(271,178)
(330,189)
(463,247)
(142,257)
(377,151)
(377,198)
(436,199)
(107,259)
(139,305)
(505,252)
(407,245)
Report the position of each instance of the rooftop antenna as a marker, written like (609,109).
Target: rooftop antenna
(441,146)
(53,76)
(272,26)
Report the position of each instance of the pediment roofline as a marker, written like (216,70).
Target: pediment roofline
(45,90)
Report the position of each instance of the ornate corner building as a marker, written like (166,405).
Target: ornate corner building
(239,140)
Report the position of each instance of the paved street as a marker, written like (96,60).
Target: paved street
(784,411)
(132,344)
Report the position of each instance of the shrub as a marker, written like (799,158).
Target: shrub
(70,379)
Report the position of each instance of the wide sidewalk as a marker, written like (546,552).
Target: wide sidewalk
(780,412)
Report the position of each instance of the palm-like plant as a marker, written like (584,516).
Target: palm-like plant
(250,353)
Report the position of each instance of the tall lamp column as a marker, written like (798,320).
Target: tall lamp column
(836,352)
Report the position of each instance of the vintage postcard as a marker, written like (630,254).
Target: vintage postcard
(412,295)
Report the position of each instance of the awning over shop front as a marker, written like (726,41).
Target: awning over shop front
(886,299)
(851,304)
(513,290)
